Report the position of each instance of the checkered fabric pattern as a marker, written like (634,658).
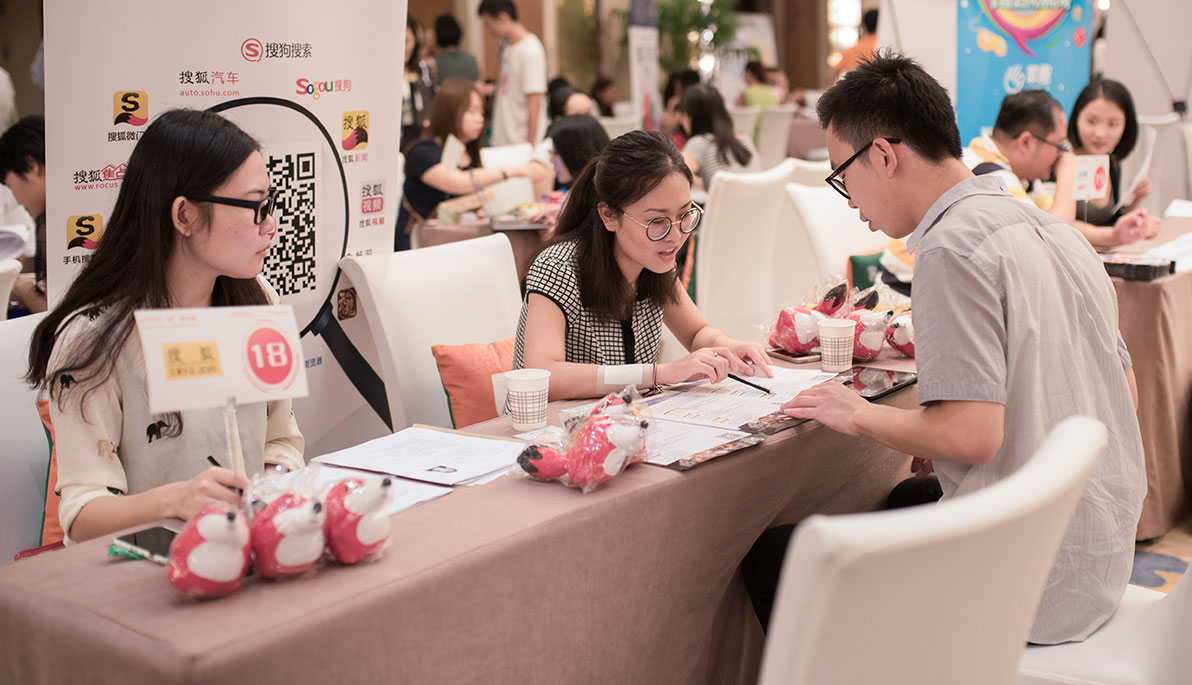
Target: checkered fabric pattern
(589,338)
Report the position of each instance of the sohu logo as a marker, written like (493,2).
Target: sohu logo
(84,230)
(355,130)
(252,50)
(130,107)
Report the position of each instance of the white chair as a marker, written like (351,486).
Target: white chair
(774,133)
(812,173)
(744,119)
(734,260)
(514,191)
(819,221)
(451,294)
(9,270)
(623,109)
(619,126)
(1146,641)
(24,456)
(942,594)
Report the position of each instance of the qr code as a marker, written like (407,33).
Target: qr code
(290,265)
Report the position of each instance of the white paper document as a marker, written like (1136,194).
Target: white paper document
(403,493)
(670,441)
(1179,208)
(430,455)
(1149,136)
(1178,250)
(730,404)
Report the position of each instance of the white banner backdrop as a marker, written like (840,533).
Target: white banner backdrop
(314,82)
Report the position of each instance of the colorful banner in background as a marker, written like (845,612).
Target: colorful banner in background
(317,91)
(644,75)
(1007,46)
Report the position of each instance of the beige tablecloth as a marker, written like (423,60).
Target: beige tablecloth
(511,582)
(1155,318)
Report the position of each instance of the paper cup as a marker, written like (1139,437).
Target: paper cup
(836,344)
(526,397)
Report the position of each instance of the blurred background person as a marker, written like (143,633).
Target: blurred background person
(416,89)
(863,50)
(604,94)
(713,146)
(451,61)
(1103,122)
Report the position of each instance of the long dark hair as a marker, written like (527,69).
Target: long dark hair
(1117,94)
(708,114)
(446,113)
(578,138)
(630,166)
(184,152)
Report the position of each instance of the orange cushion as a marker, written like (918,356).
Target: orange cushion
(466,372)
(51,530)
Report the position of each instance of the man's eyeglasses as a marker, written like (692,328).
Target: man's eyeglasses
(1062,146)
(659,227)
(834,179)
(262,209)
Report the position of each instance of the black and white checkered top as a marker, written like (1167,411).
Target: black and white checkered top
(590,339)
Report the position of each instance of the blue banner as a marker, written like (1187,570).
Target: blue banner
(1007,46)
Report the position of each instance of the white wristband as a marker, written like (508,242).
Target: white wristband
(622,374)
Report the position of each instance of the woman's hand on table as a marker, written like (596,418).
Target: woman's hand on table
(184,498)
(752,353)
(711,363)
(1132,227)
(831,404)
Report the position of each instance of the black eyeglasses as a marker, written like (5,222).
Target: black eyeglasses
(659,227)
(834,179)
(1062,146)
(262,209)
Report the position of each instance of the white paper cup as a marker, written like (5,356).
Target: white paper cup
(836,344)
(526,397)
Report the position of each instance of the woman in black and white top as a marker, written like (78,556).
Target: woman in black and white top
(597,296)
(712,144)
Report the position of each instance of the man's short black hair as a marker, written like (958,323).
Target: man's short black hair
(494,7)
(1028,110)
(22,145)
(892,96)
(869,21)
(447,31)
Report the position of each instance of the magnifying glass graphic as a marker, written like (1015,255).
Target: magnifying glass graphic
(312,225)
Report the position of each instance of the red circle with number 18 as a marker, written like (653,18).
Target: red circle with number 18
(268,357)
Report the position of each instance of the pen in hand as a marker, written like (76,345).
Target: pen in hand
(749,383)
(216,464)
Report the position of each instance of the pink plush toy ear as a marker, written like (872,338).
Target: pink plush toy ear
(542,463)
(797,330)
(833,300)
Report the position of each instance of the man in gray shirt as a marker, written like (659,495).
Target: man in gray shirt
(1015,330)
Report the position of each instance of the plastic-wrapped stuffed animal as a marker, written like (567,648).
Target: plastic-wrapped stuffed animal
(287,536)
(797,330)
(901,334)
(357,524)
(610,439)
(869,333)
(210,556)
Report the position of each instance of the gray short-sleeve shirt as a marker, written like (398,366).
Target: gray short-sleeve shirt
(1013,306)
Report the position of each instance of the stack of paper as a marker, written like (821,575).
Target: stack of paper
(432,455)
(730,404)
(403,493)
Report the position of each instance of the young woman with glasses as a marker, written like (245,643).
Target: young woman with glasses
(598,294)
(190,228)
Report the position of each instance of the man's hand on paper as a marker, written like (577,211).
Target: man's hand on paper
(830,403)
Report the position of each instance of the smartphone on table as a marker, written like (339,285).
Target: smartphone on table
(148,543)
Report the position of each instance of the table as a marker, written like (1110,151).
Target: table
(525,243)
(1155,318)
(510,582)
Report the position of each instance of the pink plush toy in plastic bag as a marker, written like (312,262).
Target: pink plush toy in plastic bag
(210,556)
(287,536)
(610,438)
(901,334)
(357,524)
(869,333)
